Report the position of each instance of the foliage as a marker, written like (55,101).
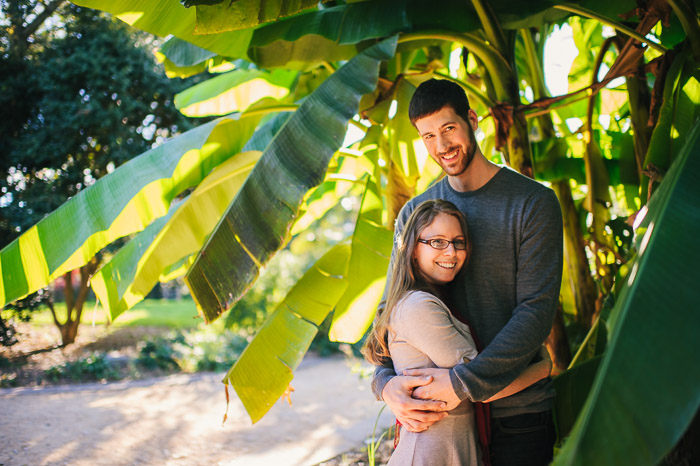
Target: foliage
(7,333)
(603,148)
(659,275)
(95,367)
(192,350)
(83,95)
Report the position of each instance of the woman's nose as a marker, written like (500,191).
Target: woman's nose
(450,250)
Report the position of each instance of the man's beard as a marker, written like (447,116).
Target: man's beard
(468,156)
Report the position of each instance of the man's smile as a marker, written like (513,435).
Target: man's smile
(450,154)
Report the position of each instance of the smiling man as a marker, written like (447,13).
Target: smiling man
(508,292)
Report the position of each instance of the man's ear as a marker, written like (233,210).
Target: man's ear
(473,119)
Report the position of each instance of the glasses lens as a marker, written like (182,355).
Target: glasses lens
(460,244)
(439,243)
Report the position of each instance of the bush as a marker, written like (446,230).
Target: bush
(161,353)
(193,351)
(94,367)
(8,380)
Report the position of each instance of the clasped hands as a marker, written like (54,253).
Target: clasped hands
(420,397)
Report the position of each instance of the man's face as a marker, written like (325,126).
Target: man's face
(449,139)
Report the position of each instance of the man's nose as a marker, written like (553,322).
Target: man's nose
(443,144)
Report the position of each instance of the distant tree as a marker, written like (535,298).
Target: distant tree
(82,94)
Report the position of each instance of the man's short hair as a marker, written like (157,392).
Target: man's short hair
(434,94)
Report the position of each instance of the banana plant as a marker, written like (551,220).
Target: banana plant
(322,65)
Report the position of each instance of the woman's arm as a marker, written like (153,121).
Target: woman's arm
(532,374)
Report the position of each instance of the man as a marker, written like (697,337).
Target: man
(508,292)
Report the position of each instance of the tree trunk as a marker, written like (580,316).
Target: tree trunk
(558,344)
(581,282)
(74,304)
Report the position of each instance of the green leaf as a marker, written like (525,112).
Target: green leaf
(333,34)
(266,367)
(182,53)
(646,391)
(257,223)
(131,274)
(234,92)
(329,193)
(371,249)
(681,108)
(182,59)
(121,203)
(167,17)
(573,387)
(242,14)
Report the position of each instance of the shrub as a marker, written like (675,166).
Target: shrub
(91,368)
(161,353)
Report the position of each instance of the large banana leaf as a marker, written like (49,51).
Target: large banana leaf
(168,17)
(258,221)
(646,391)
(371,249)
(264,370)
(234,91)
(329,193)
(131,274)
(121,203)
(243,14)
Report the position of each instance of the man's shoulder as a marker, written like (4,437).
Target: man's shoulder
(515,181)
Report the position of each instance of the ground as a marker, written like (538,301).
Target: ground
(176,419)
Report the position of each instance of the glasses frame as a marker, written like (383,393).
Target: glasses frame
(429,242)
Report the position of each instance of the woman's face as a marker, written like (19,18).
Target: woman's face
(440,266)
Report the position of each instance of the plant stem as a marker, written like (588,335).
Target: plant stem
(608,22)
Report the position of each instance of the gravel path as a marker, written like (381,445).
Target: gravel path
(176,420)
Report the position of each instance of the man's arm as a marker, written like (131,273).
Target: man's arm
(532,374)
(540,261)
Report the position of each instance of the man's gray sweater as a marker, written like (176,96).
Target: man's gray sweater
(509,290)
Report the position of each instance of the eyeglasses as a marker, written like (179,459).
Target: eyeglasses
(439,243)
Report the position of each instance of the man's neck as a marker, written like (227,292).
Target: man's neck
(479,172)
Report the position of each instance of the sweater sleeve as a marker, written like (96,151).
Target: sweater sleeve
(424,323)
(538,282)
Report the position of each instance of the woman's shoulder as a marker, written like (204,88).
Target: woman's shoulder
(419,301)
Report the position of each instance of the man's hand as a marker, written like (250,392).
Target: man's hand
(439,389)
(414,415)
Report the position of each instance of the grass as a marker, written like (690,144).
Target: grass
(180,314)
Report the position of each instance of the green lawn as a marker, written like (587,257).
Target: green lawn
(149,313)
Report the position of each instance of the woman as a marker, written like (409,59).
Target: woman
(417,330)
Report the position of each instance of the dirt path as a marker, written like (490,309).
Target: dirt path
(176,420)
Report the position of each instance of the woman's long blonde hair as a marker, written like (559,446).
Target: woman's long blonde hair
(405,274)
